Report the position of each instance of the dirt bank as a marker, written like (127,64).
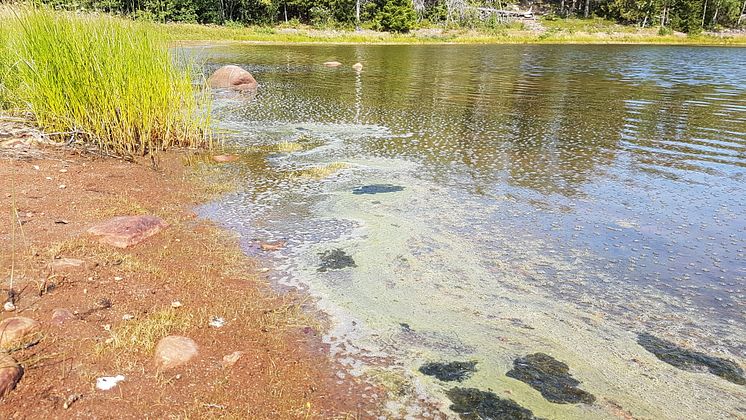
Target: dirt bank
(122,301)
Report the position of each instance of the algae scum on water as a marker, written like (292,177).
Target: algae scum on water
(491,218)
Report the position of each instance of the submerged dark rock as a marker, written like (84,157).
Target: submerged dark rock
(550,377)
(377,189)
(454,371)
(335,259)
(691,360)
(473,404)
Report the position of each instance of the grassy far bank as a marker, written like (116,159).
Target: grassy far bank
(106,80)
(564,31)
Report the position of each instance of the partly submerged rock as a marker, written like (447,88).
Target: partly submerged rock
(357,66)
(453,371)
(18,332)
(377,189)
(335,259)
(232,77)
(224,158)
(473,404)
(332,64)
(10,373)
(550,377)
(124,231)
(691,360)
(174,351)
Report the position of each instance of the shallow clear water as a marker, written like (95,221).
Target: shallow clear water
(556,199)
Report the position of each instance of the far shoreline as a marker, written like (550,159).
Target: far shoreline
(279,35)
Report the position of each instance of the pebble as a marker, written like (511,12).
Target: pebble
(231,359)
(9,307)
(176,304)
(216,322)
(108,382)
(174,351)
(63,264)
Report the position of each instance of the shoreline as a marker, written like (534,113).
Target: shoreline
(193,33)
(121,301)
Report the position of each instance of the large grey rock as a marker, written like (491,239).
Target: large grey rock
(232,77)
(174,351)
(124,231)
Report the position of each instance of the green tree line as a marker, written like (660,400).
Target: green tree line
(689,16)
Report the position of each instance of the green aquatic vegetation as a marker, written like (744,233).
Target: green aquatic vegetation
(691,360)
(474,404)
(335,259)
(453,371)
(550,377)
(109,81)
(377,189)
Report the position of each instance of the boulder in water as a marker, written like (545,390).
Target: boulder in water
(232,77)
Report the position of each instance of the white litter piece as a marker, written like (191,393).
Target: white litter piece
(108,382)
(216,322)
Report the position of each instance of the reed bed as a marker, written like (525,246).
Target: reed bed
(107,80)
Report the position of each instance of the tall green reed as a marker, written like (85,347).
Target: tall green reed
(112,81)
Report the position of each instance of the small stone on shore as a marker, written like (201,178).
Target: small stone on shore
(174,351)
(61,316)
(231,359)
(64,264)
(18,332)
(126,231)
(10,373)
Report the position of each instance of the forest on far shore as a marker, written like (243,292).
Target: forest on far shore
(689,16)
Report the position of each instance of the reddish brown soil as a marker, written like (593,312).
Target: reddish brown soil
(285,372)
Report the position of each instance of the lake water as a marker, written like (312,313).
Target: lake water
(553,199)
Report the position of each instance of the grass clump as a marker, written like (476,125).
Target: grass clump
(110,81)
(142,335)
